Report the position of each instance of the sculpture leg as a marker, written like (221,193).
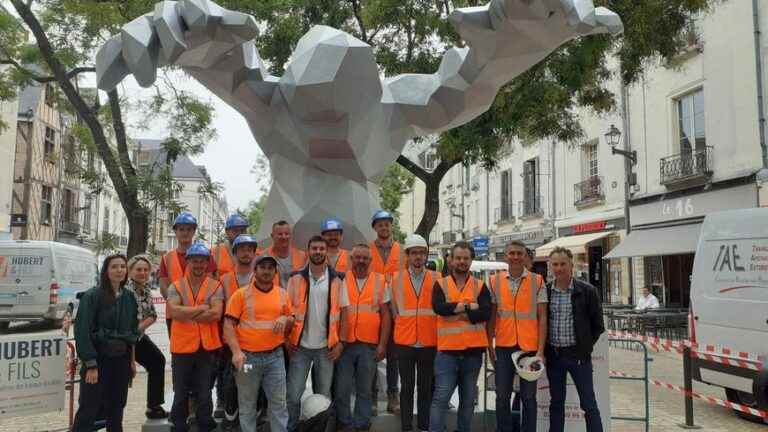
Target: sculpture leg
(304,197)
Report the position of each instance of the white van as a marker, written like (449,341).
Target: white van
(729,302)
(39,279)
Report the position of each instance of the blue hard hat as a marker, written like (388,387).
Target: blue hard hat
(185,218)
(198,250)
(381,215)
(243,239)
(236,221)
(331,225)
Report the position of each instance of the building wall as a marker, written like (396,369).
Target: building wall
(8,112)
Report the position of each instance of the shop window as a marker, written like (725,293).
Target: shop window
(654,276)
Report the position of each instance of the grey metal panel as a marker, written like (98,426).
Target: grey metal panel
(330,125)
(672,240)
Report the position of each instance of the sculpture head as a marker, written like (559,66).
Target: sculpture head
(331,77)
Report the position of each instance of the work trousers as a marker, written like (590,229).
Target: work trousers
(149,356)
(558,367)
(226,390)
(107,397)
(392,371)
(322,377)
(451,370)
(357,367)
(416,370)
(263,370)
(506,421)
(193,373)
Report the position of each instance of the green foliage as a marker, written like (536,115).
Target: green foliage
(393,185)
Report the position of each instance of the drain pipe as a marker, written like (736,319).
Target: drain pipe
(760,88)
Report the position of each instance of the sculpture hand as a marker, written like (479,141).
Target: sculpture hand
(580,16)
(186,33)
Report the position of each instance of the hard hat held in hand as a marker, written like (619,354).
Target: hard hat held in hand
(312,405)
(530,368)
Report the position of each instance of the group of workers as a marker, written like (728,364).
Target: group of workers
(257,323)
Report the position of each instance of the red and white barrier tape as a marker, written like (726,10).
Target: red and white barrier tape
(709,399)
(707,352)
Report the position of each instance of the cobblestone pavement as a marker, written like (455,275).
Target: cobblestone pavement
(627,400)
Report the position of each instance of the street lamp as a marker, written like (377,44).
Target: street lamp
(613,137)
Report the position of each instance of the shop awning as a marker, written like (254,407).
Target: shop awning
(673,240)
(575,243)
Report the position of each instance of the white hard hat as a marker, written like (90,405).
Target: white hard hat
(415,240)
(529,368)
(313,404)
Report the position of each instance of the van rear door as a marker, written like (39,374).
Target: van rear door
(730,284)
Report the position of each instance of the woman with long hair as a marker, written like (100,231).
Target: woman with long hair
(106,331)
(147,353)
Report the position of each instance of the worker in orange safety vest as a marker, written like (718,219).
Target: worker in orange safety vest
(222,252)
(333,232)
(289,258)
(195,303)
(463,306)
(518,323)
(365,341)
(415,331)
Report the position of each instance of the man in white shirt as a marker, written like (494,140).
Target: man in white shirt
(646,300)
(319,303)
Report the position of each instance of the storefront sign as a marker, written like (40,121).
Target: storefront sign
(32,373)
(694,206)
(528,237)
(592,227)
(480,244)
(589,227)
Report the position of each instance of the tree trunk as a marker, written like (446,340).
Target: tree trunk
(138,231)
(432,193)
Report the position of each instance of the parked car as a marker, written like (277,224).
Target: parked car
(39,280)
(729,303)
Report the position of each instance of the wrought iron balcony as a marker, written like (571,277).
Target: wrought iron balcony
(686,167)
(588,192)
(504,214)
(530,208)
(69,227)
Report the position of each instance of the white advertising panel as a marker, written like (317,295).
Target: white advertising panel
(32,374)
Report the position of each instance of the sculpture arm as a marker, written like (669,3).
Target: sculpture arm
(212,44)
(504,39)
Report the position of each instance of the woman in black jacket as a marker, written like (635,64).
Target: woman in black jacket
(147,354)
(106,331)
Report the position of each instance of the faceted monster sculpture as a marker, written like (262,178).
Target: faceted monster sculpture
(331,125)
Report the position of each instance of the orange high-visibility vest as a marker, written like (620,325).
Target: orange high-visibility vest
(188,336)
(230,285)
(298,291)
(175,273)
(364,321)
(415,320)
(225,263)
(516,320)
(342,264)
(258,315)
(298,260)
(395,261)
(456,333)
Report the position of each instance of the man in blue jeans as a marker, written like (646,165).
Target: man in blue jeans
(463,306)
(575,325)
(518,323)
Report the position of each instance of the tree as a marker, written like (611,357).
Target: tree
(394,183)
(66,33)
(411,35)
(255,214)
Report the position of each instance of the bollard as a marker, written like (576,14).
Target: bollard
(688,385)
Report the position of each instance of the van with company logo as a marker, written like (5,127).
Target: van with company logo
(39,280)
(729,306)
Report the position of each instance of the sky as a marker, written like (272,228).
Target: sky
(228,158)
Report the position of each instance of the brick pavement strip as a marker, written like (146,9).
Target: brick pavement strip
(627,400)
